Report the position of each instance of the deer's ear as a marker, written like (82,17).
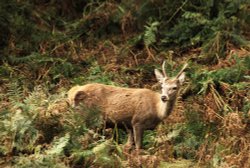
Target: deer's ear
(181,78)
(159,76)
(80,96)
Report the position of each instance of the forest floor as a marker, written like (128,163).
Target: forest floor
(200,131)
(209,126)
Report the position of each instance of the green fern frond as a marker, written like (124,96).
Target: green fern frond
(198,17)
(103,156)
(14,93)
(59,145)
(38,97)
(150,33)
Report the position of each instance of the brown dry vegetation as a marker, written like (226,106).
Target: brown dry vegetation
(49,46)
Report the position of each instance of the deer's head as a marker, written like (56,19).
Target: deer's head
(170,86)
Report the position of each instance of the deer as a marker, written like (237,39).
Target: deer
(138,109)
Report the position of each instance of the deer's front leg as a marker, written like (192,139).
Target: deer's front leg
(138,132)
(130,140)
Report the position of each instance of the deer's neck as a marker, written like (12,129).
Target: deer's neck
(165,108)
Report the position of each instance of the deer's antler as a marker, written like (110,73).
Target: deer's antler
(163,69)
(183,68)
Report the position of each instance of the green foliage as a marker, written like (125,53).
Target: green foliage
(38,160)
(19,129)
(58,145)
(46,45)
(149,139)
(21,29)
(38,69)
(45,158)
(102,154)
(217,158)
(150,33)
(210,24)
(230,75)
(190,136)
(35,121)
(15,92)
(246,108)
(95,74)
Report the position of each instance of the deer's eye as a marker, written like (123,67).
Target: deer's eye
(174,88)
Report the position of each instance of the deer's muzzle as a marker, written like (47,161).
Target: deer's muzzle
(164,98)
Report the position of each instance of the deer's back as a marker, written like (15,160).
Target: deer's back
(121,104)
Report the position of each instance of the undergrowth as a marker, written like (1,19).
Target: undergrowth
(42,130)
(46,47)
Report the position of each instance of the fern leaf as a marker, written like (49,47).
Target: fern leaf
(150,33)
(59,145)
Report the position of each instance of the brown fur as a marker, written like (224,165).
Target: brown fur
(118,104)
(136,109)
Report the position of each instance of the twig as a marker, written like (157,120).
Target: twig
(149,53)
(135,57)
(184,3)
(218,115)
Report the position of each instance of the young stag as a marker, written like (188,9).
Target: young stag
(135,109)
